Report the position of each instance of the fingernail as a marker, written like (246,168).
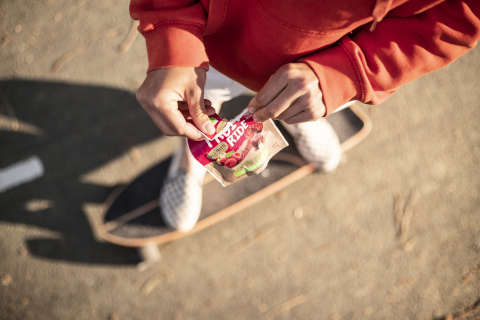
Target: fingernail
(256,119)
(251,109)
(209,128)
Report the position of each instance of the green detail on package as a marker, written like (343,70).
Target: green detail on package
(213,120)
(258,160)
(249,163)
(228,154)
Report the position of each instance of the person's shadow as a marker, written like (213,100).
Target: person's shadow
(84,127)
(73,129)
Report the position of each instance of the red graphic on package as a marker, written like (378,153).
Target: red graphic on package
(238,148)
(235,140)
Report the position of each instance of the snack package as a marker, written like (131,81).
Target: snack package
(239,148)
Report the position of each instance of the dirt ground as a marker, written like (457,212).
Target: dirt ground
(67,95)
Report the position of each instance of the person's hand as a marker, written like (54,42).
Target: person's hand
(292,94)
(172,95)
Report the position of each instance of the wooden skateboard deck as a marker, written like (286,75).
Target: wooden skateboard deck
(132,216)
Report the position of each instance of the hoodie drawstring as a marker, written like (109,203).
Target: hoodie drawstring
(380,11)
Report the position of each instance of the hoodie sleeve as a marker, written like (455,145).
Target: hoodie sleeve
(173,32)
(370,66)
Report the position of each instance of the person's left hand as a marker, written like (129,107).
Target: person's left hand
(292,94)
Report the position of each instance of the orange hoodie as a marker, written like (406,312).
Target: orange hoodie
(359,49)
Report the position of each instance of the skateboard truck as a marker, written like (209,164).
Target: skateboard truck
(150,255)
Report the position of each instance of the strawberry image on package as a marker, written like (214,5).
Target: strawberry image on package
(239,148)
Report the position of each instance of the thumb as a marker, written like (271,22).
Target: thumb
(198,112)
(254,105)
(272,88)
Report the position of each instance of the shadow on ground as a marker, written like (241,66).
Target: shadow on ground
(84,127)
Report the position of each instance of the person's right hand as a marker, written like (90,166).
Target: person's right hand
(173,95)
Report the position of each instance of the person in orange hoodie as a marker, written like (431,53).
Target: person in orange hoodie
(305,59)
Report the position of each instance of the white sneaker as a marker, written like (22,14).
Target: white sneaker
(181,195)
(317,142)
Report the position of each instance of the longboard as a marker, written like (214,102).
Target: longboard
(132,216)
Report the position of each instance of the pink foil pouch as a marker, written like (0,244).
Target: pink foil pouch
(239,148)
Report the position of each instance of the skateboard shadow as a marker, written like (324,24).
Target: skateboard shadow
(73,129)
